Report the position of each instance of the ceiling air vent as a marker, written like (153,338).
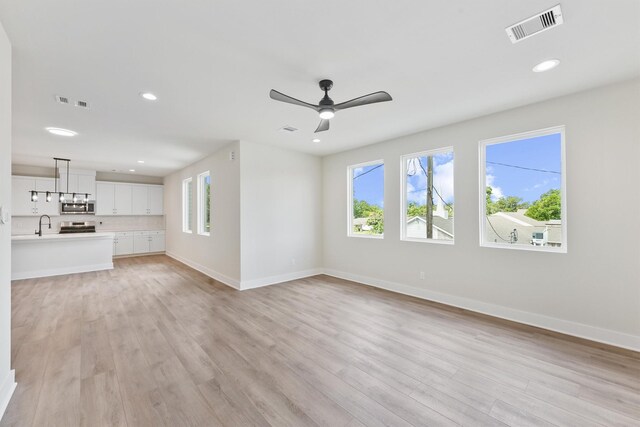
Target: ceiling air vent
(62,99)
(536,24)
(288,129)
(82,104)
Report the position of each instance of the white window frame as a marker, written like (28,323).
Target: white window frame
(201,200)
(563,189)
(350,169)
(186,206)
(403,195)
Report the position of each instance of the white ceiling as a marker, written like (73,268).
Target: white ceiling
(212,64)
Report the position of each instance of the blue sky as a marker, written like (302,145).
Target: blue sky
(442,179)
(541,152)
(369,184)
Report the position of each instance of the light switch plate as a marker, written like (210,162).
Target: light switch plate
(4,215)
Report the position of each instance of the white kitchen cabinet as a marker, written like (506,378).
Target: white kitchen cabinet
(122,199)
(123,243)
(156,200)
(140,242)
(156,241)
(80,181)
(113,198)
(105,198)
(21,186)
(147,199)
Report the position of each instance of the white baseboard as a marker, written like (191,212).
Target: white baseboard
(593,333)
(207,271)
(273,280)
(7,387)
(60,271)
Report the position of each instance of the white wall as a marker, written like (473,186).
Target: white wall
(217,255)
(7,381)
(266,216)
(592,291)
(281,214)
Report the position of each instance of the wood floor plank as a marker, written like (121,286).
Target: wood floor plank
(155,343)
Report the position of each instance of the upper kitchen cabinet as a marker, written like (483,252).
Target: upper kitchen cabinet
(148,199)
(113,198)
(80,181)
(22,205)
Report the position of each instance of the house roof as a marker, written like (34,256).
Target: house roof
(445,225)
(500,225)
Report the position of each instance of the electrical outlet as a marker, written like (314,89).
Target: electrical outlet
(422,275)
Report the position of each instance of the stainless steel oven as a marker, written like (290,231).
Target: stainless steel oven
(78,208)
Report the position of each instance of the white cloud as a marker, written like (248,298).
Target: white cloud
(496,191)
(443,181)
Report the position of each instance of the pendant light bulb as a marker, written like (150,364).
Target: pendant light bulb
(48,198)
(86,198)
(75,198)
(61,198)
(34,196)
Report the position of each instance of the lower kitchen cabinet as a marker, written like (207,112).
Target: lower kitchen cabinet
(138,242)
(123,243)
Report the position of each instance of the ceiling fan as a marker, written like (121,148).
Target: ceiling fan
(326,108)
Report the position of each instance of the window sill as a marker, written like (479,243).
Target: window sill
(530,248)
(187,231)
(204,234)
(367,236)
(425,240)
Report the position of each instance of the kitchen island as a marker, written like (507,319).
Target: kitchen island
(56,254)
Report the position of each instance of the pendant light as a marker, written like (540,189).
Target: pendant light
(61,194)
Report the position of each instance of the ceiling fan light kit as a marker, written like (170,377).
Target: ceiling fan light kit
(326,108)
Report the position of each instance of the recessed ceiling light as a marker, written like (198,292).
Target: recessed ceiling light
(546,65)
(132,170)
(61,132)
(148,96)
(141,161)
(315,140)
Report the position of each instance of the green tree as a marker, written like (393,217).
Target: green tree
(414,209)
(510,204)
(376,222)
(547,207)
(362,209)
(490,206)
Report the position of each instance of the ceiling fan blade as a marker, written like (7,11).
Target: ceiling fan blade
(372,98)
(324,125)
(278,96)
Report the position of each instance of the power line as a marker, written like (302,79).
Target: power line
(433,187)
(523,167)
(494,230)
(370,170)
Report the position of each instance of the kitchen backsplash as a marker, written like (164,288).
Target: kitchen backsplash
(28,225)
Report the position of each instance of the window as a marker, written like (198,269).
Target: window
(366,199)
(187,199)
(427,203)
(204,203)
(522,191)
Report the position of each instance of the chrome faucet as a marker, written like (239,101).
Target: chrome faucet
(39,230)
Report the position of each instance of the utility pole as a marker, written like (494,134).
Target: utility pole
(430,197)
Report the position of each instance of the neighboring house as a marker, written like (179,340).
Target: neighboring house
(442,228)
(501,225)
(360,224)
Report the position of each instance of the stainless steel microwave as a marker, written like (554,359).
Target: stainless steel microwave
(78,208)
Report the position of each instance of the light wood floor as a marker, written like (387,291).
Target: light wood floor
(155,343)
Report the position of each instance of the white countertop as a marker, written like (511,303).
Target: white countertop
(55,236)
